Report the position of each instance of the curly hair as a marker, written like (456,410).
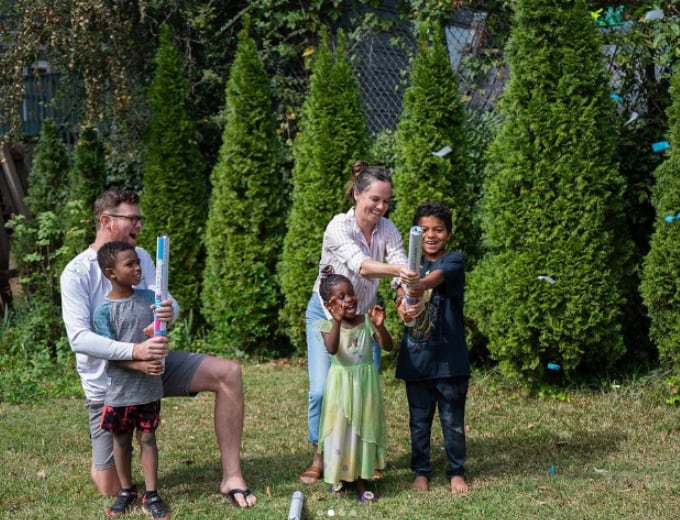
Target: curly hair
(106,255)
(434,209)
(330,281)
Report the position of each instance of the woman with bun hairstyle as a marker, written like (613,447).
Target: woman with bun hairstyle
(364,246)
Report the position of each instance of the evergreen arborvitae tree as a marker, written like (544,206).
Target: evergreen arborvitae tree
(246,221)
(433,118)
(49,172)
(660,285)
(332,136)
(174,198)
(87,181)
(549,291)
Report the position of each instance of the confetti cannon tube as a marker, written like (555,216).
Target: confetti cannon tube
(162,263)
(295,511)
(415,249)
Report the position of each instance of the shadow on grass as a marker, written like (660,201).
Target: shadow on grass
(278,472)
(532,454)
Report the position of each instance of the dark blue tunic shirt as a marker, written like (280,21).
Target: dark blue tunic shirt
(435,346)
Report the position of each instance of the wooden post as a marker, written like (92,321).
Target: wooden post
(5,289)
(12,181)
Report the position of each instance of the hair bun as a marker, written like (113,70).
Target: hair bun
(358,167)
(326,271)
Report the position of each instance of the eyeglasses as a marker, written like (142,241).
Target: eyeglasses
(132,219)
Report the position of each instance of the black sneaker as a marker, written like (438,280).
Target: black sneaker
(123,503)
(154,505)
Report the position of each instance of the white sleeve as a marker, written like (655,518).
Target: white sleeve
(77,308)
(339,241)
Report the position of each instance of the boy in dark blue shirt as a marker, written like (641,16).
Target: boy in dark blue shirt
(433,359)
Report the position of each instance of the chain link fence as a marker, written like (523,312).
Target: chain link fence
(381,64)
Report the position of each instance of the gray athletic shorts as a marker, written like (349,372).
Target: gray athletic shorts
(180,368)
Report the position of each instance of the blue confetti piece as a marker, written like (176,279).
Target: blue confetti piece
(552,470)
(616,98)
(678,215)
(552,366)
(660,146)
(669,218)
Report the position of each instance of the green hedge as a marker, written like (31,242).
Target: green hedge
(331,137)
(174,197)
(660,285)
(246,223)
(553,204)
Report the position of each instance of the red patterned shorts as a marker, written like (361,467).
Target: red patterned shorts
(124,419)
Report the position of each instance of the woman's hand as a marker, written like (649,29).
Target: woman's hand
(410,280)
(408,277)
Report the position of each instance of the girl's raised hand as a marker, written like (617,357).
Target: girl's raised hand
(377,315)
(334,308)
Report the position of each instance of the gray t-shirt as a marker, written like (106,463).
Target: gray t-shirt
(124,320)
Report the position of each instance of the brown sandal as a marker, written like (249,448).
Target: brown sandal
(312,472)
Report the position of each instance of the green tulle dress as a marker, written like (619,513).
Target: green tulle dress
(352,435)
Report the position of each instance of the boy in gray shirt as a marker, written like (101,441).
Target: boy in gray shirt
(133,398)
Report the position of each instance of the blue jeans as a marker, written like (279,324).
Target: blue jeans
(318,363)
(449,395)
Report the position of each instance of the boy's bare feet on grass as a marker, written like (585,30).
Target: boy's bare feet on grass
(458,485)
(420,483)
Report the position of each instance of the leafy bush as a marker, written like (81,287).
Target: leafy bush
(37,249)
(660,287)
(36,361)
(246,221)
(332,136)
(552,204)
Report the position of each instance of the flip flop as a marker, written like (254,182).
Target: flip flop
(314,472)
(231,496)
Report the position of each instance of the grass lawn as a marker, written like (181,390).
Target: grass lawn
(609,453)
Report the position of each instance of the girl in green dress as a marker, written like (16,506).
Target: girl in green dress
(352,434)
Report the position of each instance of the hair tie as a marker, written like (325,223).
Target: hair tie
(326,271)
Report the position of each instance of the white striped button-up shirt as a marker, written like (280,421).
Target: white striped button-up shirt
(345,248)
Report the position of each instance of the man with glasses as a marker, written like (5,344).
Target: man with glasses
(83,287)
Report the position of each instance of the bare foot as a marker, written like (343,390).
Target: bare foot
(458,485)
(420,483)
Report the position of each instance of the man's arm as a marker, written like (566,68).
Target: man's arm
(76,306)
(75,309)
